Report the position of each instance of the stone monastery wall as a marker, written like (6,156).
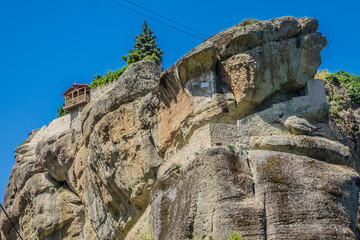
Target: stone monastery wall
(101,90)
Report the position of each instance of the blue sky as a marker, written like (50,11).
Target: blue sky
(45,46)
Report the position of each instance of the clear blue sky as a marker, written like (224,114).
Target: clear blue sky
(47,45)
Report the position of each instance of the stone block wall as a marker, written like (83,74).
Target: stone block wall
(101,90)
(316,91)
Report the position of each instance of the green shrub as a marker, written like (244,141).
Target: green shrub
(354,91)
(22,143)
(61,112)
(335,113)
(234,236)
(147,237)
(176,166)
(109,77)
(60,189)
(321,74)
(201,238)
(323,71)
(350,81)
(247,21)
(230,146)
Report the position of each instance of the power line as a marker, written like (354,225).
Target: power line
(11,221)
(138,12)
(113,9)
(165,18)
(96,4)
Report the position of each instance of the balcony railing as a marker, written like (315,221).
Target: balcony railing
(82,98)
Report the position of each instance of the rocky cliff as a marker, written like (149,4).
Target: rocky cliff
(235,136)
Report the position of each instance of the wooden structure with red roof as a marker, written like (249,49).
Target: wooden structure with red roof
(76,96)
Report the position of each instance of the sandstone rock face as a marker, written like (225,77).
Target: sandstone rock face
(40,206)
(211,197)
(305,198)
(121,161)
(263,195)
(233,71)
(91,182)
(148,158)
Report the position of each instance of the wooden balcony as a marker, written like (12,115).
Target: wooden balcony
(76,101)
(76,96)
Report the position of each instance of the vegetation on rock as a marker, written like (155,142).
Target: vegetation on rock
(350,82)
(343,92)
(147,237)
(109,77)
(22,143)
(230,146)
(247,21)
(234,236)
(145,48)
(61,112)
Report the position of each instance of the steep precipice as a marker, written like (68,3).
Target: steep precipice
(150,155)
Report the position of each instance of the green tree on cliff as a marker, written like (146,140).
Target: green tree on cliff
(145,47)
(61,112)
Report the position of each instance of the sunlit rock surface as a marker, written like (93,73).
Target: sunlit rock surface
(235,136)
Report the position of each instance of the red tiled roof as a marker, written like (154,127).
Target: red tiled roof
(75,85)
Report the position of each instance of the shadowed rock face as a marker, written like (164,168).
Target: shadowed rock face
(262,194)
(305,198)
(211,197)
(113,174)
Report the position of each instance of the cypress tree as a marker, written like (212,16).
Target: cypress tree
(145,47)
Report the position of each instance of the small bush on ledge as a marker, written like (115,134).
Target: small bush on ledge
(247,21)
(230,146)
(109,77)
(234,236)
(350,81)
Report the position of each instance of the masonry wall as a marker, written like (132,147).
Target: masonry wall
(101,90)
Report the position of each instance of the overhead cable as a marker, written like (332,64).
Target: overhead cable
(136,5)
(99,5)
(136,11)
(11,222)
(113,9)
